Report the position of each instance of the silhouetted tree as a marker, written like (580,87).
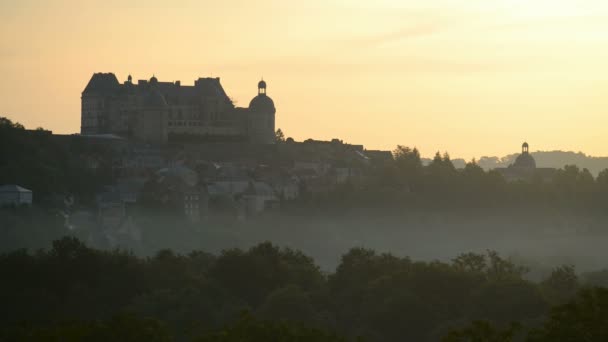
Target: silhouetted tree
(279,136)
(584,318)
(561,285)
(482,331)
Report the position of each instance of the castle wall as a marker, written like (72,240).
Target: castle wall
(92,114)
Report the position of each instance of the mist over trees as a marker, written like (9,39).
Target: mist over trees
(405,253)
(266,292)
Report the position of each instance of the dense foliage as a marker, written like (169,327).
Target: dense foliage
(50,166)
(405,182)
(74,290)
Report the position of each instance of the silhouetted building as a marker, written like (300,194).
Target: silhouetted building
(15,195)
(157,112)
(524,168)
(525,160)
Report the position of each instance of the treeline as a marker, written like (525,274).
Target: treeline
(440,175)
(73,290)
(406,183)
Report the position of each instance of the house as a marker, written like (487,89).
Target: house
(15,195)
(258,197)
(248,197)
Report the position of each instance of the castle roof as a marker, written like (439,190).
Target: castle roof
(172,93)
(102,83)
(525,160)
(262,104)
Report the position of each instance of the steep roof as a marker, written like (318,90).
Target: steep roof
(210,87)
(172,92)
(102,83)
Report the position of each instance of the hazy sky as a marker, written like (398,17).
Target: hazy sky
(474,77)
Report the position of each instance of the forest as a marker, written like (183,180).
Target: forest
(75,293)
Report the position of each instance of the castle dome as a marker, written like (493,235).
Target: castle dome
(262,104)
(525,160)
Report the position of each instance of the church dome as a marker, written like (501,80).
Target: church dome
(262,84)
(525,160)
(262,104)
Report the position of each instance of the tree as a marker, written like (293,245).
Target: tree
(120,328)
(406,158)
(561,285)
(602,180)
(408,166)
(279,136)
(482,331)
(6,123)
(584,318)
(250,329)
(289,303)
(470,262)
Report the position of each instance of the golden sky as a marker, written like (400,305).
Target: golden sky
(473,77)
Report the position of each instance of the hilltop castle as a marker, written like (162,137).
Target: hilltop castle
(161,112)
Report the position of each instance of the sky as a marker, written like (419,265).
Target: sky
(471,77)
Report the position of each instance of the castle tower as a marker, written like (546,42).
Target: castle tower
(261,121)
(97,111)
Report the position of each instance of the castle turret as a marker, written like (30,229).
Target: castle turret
(95,103)
(261,121)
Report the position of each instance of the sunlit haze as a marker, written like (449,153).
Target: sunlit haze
(474,77)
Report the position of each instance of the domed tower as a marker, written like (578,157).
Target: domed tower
(260,125)
(525,160)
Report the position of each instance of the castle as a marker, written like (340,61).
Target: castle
(160,112)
